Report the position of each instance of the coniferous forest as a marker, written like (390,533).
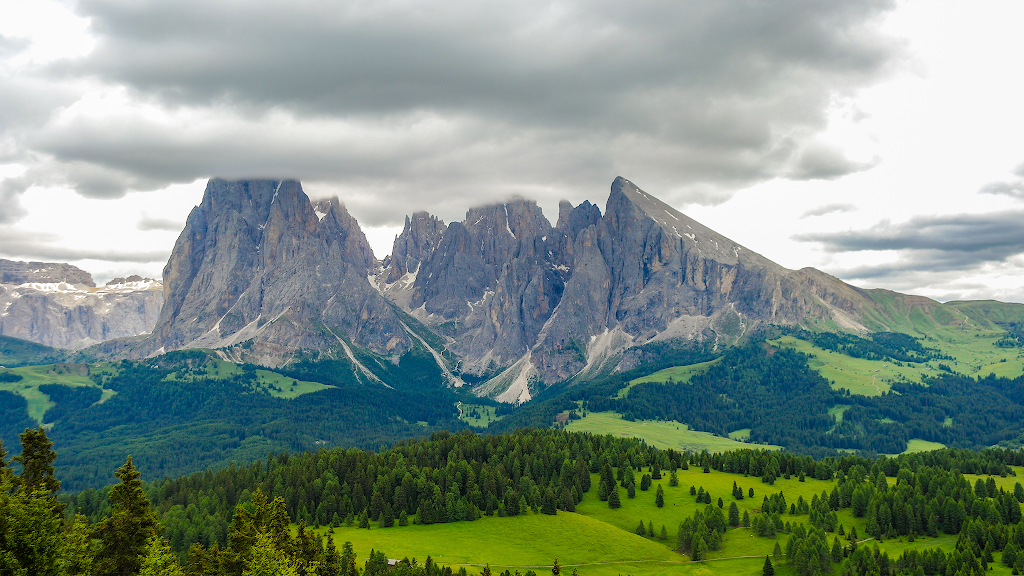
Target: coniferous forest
(239,520)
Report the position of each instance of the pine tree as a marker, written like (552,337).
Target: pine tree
(613,499)
(768,569)
(159,559)
(663,535)
(777,552)
(556,568)
(125,534)
(403,518)
(268,560)
(650,529)
(659,497)
(641,529)
(673,479)
(734,515)
(36,459)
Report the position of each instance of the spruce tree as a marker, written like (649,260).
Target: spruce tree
(641,529)
(613,499)
(556,568)
(159,559)
(768,569)
(734,514)
(124,535)
(659,497)
(36,461)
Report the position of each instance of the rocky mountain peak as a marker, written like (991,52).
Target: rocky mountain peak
(18,272)
(418,240)
(259,261)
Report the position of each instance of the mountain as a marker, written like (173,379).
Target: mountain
(503,299)
(526,304)
(268,276)
(59,305)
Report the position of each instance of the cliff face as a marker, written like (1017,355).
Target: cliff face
(528,304)
(258,261)
(503,296)
(59,305)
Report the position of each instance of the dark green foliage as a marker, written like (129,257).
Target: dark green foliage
(124,534)
(613,499)
(68,400)
(768,569)
(177,426)
(659,498)
(14,417)
(36,459)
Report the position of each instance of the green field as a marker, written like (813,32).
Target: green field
(675,374)
(34,376)
(600,541)
(974,353)
(477,415)
(664,435)
(271,382)
(918,445)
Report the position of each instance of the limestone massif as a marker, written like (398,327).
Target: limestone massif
(503,299)
(525,304)
(60,305)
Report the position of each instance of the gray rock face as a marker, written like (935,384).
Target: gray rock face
(414,245)
(258,261)
(16,272)
(59,305)
(543,304)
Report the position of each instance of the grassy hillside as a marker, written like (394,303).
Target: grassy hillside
(661,434)
(599,541)
(17,352)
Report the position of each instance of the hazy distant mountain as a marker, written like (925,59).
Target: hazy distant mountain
(59,305)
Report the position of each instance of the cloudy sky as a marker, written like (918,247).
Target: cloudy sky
(878,141)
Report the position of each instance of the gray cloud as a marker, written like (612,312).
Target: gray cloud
(931,244)
(19,245)
(1000,232)
(467,99)
(828,209)
(1012,189)
(149,223)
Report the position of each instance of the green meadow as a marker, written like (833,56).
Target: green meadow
(477,415)
(675,374)
(974,353)
(271,382)
(34,376)
(663,435)
(600,541)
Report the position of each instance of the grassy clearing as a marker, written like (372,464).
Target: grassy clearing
(664,435)
(917,445)
(530,540)
(269,381)
(34,376)
(675,374)
(477,415)
(973,351)
(600,541)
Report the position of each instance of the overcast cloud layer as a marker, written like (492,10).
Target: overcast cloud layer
(463,101)
(399,106)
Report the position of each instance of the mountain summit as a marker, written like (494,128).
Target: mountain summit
(502,298)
